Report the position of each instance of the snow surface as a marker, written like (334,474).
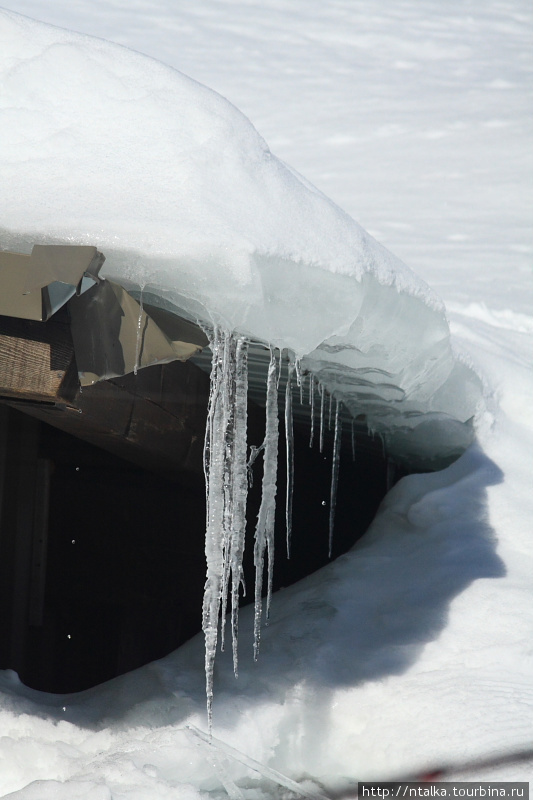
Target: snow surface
(414,649)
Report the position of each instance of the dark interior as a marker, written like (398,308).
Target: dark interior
(102,561)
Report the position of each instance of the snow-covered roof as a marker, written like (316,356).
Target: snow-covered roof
(100,145)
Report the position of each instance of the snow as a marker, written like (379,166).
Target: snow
(414,649)
(192,209)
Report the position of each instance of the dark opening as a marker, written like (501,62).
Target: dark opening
(102,563)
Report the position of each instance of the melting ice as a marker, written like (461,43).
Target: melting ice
(227,468)
(226,479)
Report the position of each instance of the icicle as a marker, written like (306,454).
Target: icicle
(214,547)
(353,440)
(289,440)
(217,760)
(229,372)
(264,531)
(238,490)
(298,372)
(302,387)
(299,376)
(321,392)
(225,467)
(254,452)
(334,474)
(312,402)
(329,412)
(267,772)
(138,340)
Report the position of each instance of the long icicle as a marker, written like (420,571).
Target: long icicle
(228,395)
(312,403)
(300,378)
(322,393)
(264,532)
(139,336)
(214,458)
(289,440)
(239,489)
(225,467)
(334,474)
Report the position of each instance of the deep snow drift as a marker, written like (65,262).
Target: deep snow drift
(415,648)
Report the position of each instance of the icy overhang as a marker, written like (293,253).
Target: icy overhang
(111,149)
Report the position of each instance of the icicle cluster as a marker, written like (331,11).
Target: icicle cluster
(226,480)
(227,470)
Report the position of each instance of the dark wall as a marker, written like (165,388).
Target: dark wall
(102,563)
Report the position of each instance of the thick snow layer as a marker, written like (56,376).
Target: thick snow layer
(415,648)
(103,142)
(177,188)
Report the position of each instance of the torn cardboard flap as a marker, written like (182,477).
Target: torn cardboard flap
(36,286)
(64,263)
(114,335)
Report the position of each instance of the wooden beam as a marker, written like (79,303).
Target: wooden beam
(34,359)
(130,422)
(156,419)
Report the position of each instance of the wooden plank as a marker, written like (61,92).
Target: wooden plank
(34,359)
(24,371)
(127,420)
(156,419)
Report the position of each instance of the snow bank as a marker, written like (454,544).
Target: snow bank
(104,146)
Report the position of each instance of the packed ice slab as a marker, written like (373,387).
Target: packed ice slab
(111,148)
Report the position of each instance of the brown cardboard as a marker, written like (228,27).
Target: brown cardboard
(114,335)
(35,286)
